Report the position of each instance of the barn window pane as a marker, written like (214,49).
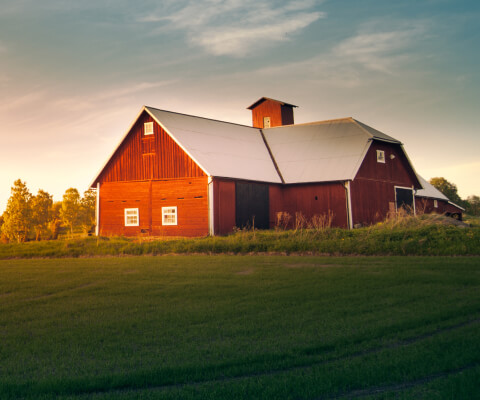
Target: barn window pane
(148,128)
(169,215)
(131,217)
(381,156)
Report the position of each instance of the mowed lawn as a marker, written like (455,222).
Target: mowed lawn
(271,327)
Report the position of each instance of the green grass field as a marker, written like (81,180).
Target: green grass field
(240,327)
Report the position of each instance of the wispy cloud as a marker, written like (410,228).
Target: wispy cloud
(379,50)
(23,100)
(52,108)
(237,27)
(370,53)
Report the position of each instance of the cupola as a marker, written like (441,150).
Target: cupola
(267,113)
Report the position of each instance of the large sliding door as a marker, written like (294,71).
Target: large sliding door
(251,205)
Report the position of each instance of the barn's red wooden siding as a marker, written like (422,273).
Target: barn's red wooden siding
(224,205)
(309,199)
(190,196)
(373,189)
(154,156)
(426,205)
(396,170)
(279,114)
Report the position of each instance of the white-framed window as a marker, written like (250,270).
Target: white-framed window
(435,203)
(169,215)
(266,122)
(381,156)
(148,128)
(131,217)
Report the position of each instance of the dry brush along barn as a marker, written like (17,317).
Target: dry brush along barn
(181,175)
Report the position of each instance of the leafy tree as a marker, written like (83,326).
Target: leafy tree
(55,219)
(87,210)
(447,188)
(473,205)
(17,216)
(3,237)
(69,212)
(41,213)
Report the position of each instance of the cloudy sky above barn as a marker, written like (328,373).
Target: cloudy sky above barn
(73,75)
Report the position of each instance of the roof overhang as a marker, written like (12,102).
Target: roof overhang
(455,205)
(262,99)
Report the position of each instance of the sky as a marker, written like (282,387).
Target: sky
(75,74)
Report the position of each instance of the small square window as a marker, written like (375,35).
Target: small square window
(148,128)
(266,122)
(381,156)
(131,217)
(435,203)
(169,215)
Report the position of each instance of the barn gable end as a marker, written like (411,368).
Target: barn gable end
(142,157)
(384,171)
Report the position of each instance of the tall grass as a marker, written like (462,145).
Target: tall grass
(405,235)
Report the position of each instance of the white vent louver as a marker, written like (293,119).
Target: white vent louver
(148,128)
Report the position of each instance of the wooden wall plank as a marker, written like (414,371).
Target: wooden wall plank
(266,109)
(224,205)
(309,199)
(190,196)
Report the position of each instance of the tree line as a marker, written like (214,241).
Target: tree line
(38,217)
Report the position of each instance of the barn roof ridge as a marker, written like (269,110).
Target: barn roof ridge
(197,116)
(375,133)
(321,122)
(372,132)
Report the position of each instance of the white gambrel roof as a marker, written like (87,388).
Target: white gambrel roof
(321,151)
(314,152)
(220,148)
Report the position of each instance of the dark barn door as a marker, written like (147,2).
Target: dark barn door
(251,202)
(404,198)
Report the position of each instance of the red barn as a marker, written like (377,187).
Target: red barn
(181,175)
(431,200)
